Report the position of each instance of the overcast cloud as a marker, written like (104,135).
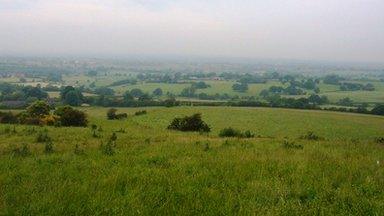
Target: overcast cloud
(342,30)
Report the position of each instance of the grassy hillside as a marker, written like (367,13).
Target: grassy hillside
(155,171)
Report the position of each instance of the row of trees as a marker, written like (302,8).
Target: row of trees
(41,113)
(10,92)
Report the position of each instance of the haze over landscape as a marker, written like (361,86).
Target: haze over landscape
(342,30)
(192,107)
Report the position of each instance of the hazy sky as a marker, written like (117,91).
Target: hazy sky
(341,30)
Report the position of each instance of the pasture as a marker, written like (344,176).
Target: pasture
(155,171)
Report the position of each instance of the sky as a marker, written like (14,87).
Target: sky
(335,30)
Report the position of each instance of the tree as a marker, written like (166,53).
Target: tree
(369,87)
(71,96)
(158,92)
(92,73)
(35,92)
(188,92)
(136,92)
(145,97)
(345,102)
(332,79)
(39,109)
(104,91)
(241,87)
(378,110)
(200,85)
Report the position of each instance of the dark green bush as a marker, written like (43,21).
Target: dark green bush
(111,114)
(71,117)
(141,112)
(121,116)
(379,140)
(189,123)
(231,132)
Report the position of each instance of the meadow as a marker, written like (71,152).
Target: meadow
(155,171)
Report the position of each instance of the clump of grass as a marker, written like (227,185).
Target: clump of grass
(30,130)
(311,136)
(95,132)
(48,148)
(42,137)
(226,143)
(231,132)
(7,130)
(207,147)
(291,145)
(22,151)
(78,150)
(158,161)
(121,130)
(113,138)
(107,149)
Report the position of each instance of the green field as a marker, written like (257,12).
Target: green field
(155,171)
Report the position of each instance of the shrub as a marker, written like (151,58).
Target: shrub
(38,109)
(141,112)
(248,134)
(33,121)
(189,123)
(231,132)
(50,120)
(379,140)
(311,136)
(111,114)
(71,117)
(121,116)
